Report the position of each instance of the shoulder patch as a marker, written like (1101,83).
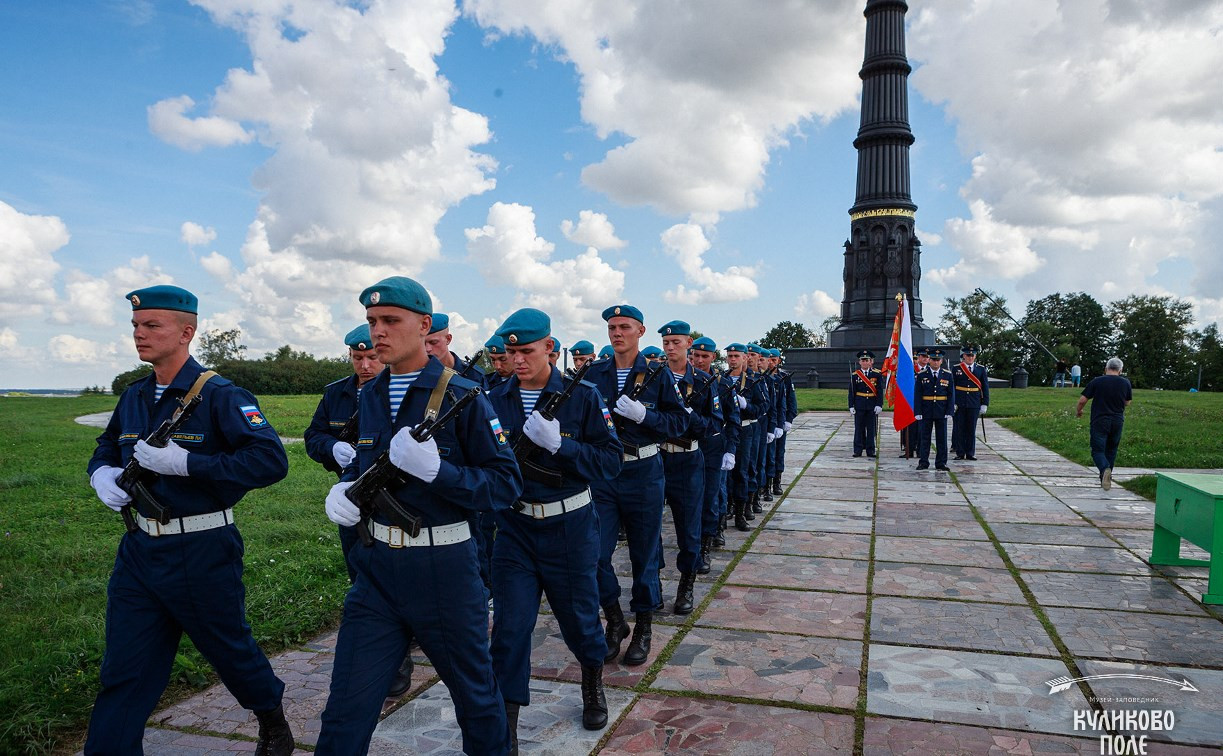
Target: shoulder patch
(253,416)
(611,426)
(498,431)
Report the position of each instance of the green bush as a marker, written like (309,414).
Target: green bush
(123,380)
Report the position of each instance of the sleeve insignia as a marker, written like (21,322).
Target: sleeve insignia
(498,432)
(253,416)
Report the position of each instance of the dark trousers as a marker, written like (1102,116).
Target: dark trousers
(711,495)
(159,589)
(939,426)
(348,539)
(685,495)
(634,498)
(556,557)
(779,455)
(432,594)
(864,429)
(740,485)
(966,430)
(1105,440)
(762,427)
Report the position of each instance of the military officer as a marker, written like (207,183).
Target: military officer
(972,400)
(502,369)
(909,434)
(548,541)
(581,352)
(719,449)
(752,405)
(865,402)
(184,573)
(635,497)
(426,586)
(936,401)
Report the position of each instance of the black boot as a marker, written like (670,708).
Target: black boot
(766,493)
(719,537)
(615,632)
(639,647)
(702,561)
(511,719)
(402,680)
(275,737)
(777,485)
(594,703)
(683,595)
(756,508)
(741,516)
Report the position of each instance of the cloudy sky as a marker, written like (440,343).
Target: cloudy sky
(692,158)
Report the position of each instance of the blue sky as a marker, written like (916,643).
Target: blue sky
(693,159)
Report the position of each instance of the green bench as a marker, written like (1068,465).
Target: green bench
(1190,506)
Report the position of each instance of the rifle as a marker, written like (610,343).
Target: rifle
(471,361)
(524,447)
(348,434)
(136,480)
(984,437)
(370,492)
(635,393)
(704,388)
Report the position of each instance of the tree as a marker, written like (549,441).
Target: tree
(1209,360)
(216,346)
(1074,327)
(975,320)
(826,327)
(1153,339)
(125,379)
(788,335)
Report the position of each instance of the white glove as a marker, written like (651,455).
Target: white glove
(778,433)
(728,461)
(984,407)
(343,453)
(853,411)
(789,426)
(415,458)
(171,459)
(768,437)
(630,408)
(742,402)
(917,417)
(105,480)
(545,433)
(340,510)
(878,409)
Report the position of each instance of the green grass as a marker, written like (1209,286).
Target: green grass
(59,544)
(1143,485)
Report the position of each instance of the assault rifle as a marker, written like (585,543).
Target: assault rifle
(697,393)
(635,394)
(136,480)
(348,434)
(370,492)
(475,360)
(524,447)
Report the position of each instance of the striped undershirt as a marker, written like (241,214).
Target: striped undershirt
(528,400)
(622,376)
(158,392)
(398,388)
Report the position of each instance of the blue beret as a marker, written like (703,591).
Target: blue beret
(441,321)
(525,326)
(676,328)
(606,352)
(495,345)
(705,344)
(755,349)
(359,338)
(624,311)
(398,291)
(556,345)
(736,347)
(866,353)
(652,351)
(581,348)
(163,298)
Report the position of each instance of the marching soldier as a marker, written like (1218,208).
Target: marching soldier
(606,353)
(581,352)
(936,401)
(972,400)
(865,402)
(548,541)
(752,405)
(437,343)
(652,354)
(182,572)
(763,429)
(555,356)
(719,450)
(635,496)
(423,585)
(789,413)
(502,369)
(772,482)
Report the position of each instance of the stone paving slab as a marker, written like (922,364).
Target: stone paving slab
(1033,556)
(957,624)
(1151,593)
(937,551)
(551,658)
(838,615)
(923,512)
(804,543)
(885,737)
(1061,535)
(1156,638)
(807,573)
(1060,516)
(853,509)
(1199,713)
(946,581)
(834,523)
(905,526)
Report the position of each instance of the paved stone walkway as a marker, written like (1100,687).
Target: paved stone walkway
(873,609)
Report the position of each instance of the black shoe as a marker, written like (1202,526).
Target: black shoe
(741,518)
(719,538)
(777,486)
(683,595)
(622,536)
(702,560)
(615,632)
(275,737)
(971,459)
(942,467)
(751,506)
(923,465)
(767,495)
(870,455)
(402,680)
(756,508)
(594,702)
(959,457)
(857,454)
(639,647)
(511,719)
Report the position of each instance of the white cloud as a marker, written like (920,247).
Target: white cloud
(989,248)
(686,242)
(701,91)
(592,230)
(88,300)
(816,306)
(169,122)
(8,343)
(27,265)
(68,348)
(218,266)
(195,235)
(573,291)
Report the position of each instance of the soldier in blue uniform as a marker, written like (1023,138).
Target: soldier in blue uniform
(653,354)
(789,412)
(763,430)
(749,395)
(502,369)
(865,402)
(971,401)
(606,353)
(718,447)
(581,352)
(548,541)
(426,587)
(936,400)
(635,496)
(184,576)
(772,483)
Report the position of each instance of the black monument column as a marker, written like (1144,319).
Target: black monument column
(882,254)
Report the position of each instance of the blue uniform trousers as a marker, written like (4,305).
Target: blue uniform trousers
(741,484)
(939,426)
(557,557)
(348,539)
(965,428)
(635,498)
(485,534)
(711,495)
(159,589)
(779,455)
(763,448)
(770,463)
(685,495)
(435,595)
(864,428)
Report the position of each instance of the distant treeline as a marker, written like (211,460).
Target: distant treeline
(281,372)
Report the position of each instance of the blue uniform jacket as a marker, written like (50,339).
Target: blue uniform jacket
(941,387)
(873,393)
(757,404)
(665,416)
(787,380)
(730,414)
(966,392)
(478,470)
(494,379)
(779,399)
(706,418)
(233,448)
(589,449)
(337,405)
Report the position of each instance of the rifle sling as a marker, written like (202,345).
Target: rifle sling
(194,391)
(438,395)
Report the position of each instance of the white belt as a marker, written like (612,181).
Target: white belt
(542,511)
(747,422)
(180,525)
(443,535)
(643,452)
(677,449)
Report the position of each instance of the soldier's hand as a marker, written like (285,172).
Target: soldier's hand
(105,480)
(878,409)
(728,461)
(789,426)
(778,433)
(170,459)
(741,401)
(853,411)
(416,459)
(917,417)
(769,437)
(631,409)
(340,509)
(545,433)
(984,407)
(343,453)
